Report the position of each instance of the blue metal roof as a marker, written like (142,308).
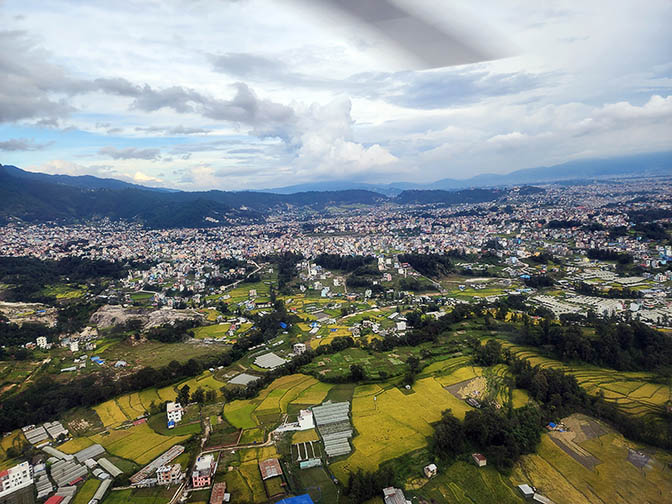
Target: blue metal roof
(299,499)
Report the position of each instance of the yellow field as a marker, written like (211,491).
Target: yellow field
(110,413)
(75,444)
(16,439)
(615,480)
(205,381)
(250,474)
(305,436)
(395,423)
(149,396)
(138,443)
(167,393)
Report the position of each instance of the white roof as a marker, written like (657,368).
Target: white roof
(173,406)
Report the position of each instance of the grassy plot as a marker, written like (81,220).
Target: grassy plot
(85,493)
(212,331)
(156,495)
(269,404)
(464,482)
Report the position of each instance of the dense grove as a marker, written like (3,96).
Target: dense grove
(431,265)
(612,293)
(28,276)
(624,346)
(342,263)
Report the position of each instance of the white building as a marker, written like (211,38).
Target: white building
(74,346)
(41,341)
(174,412)
(306,420)
(15,478)
(401,326)
(299,348)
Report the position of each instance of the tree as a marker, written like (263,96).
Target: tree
(449,436)
(198,396)
(357,372)
(183,395)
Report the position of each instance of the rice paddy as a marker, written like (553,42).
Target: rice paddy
(274,400)
(633,392)
(616,480)
(138,443)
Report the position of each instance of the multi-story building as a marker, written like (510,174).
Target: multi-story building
(203,471)
(16,485)
(174,412)
(169,474)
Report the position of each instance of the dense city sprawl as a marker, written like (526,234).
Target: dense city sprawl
(501,350)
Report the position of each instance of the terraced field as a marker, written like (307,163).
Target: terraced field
(138,443)
(266,408)
(633,392)
(615,479)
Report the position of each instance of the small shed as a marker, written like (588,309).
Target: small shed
(430,470)
(479,459)
(526,490)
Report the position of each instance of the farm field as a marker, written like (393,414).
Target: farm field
(206,381)
(14,440)
(394,423)
(151,353)
(85,494)
(633,392)
(464,482)
(138,443)
(266,408)
(615,479)
(212,331)
(156,495)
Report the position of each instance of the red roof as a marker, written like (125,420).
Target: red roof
(4,473)
(478,456)
(54,499)
(270,468)
(74,482)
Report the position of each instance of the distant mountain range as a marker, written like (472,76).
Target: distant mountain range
(653,164)
(38,197)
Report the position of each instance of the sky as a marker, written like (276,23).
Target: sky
(252,94)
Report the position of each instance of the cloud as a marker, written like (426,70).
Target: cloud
(21,144)
(130,153)
(28,78)
(173,130)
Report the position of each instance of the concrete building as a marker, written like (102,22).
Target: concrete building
(299,348)
(169,474)
(174,413)
(394,496)
(430,470)
(203,471)
(16,485)
(41,341)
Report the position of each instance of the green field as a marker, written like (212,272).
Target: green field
(138,443)
(266,408)
(85,494)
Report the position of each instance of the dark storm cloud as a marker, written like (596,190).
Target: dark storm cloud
(130,153)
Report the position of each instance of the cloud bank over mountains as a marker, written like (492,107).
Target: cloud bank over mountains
(235,95)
